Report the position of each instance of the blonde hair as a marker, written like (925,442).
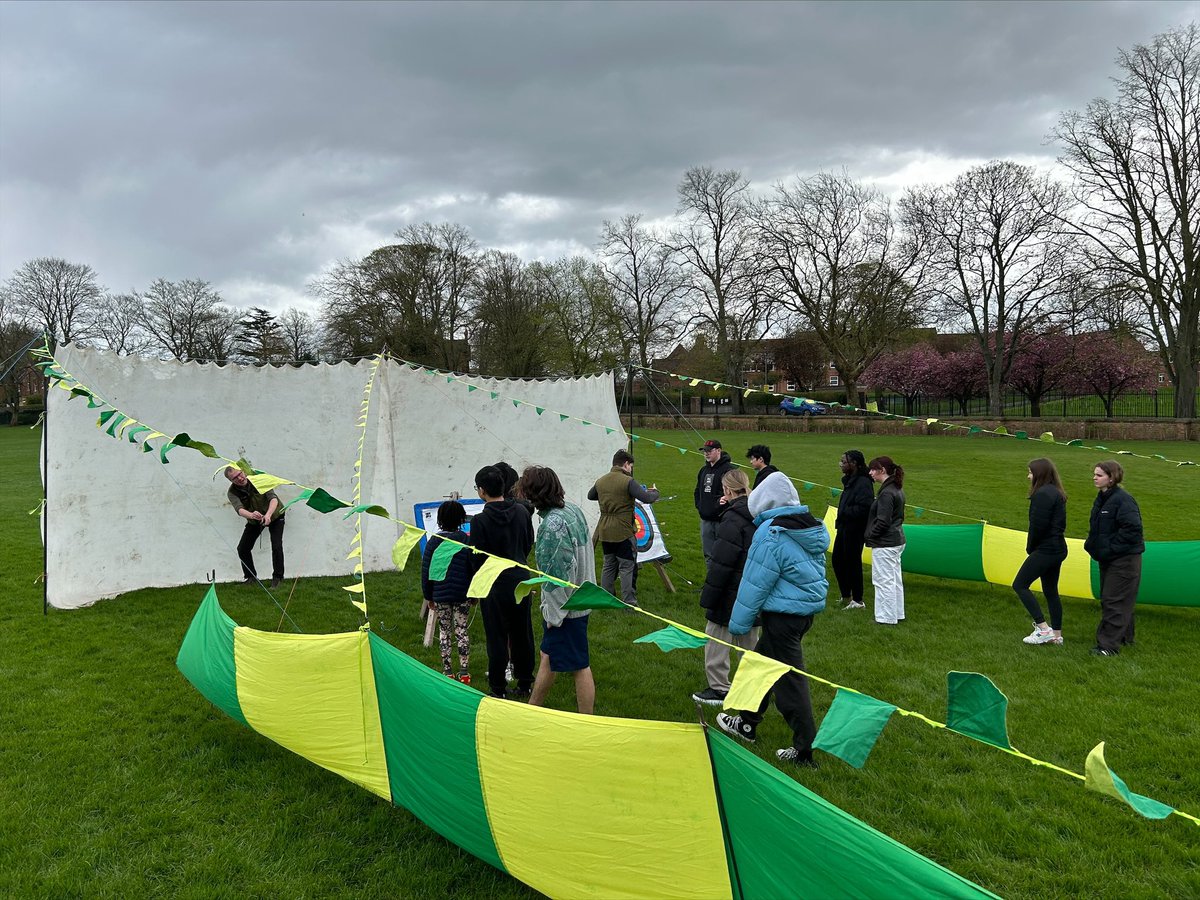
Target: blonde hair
(736,482)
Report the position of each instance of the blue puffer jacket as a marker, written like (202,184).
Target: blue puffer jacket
(785,568)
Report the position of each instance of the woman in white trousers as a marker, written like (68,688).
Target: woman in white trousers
(885,537)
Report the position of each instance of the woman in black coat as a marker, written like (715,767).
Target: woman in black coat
(853,509)
(735,531)
(1046,545)
(1116,542)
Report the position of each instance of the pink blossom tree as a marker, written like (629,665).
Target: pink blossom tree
(905,372)
(1042,363)
(960,376)
(1109,365)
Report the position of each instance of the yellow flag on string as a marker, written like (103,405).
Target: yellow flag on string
(695,381)
(404,546)
(356,552)
(264,482)
(482,583)
(756,674)
(873,406)
(356,588)
(931,421)
(362,606)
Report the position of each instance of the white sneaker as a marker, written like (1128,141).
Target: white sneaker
(854,604)
(1042,637)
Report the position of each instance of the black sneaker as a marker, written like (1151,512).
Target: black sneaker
(276,581)
(1100,651)
(520,695)
(710,697)
(738,727)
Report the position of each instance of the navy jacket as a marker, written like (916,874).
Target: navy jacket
(453,589)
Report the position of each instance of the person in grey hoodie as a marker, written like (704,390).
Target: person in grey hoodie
(783,581)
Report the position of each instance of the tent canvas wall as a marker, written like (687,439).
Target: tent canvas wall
(117,519)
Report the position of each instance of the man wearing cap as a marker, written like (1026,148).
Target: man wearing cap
(709,492)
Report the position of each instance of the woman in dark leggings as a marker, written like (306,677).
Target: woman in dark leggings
(854,508)
(1047,548)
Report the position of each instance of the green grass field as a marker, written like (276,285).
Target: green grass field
(117,779)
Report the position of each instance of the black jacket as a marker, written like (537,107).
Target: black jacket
(854,507)
(763,473)
(884,524)
(734,535)
(502,528)
(452,589)
(1047,522)
(708,487)
(1116,526)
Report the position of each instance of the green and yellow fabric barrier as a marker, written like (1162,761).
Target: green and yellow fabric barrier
(989,553)
(574,806)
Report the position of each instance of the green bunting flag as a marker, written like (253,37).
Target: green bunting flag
(324,502)
(852,726)
(133,432)
(523,589)
(184,440)
(835,492)
(974,429)
(672,638)
(439,563)
(1100,778)
(404,546)
(516,404)
(471,388)
(1047,436)
(977,709)
(682,450)
(608,430)
(1075,443)
(562,417)
(592,596)
(166,448)
(104,417)
(115,423)
(539,409)
(369,508)
(918,511)
(658,445)
(1022,435)
(493,394)
(635,437)
(584,422)
(304,495)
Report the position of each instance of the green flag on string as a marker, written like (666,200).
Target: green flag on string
(539,409)
(133,432)
(472,387)
(1075,443)
(918,511)
(852,726)
(592,596)
(658,445)
(974,429)
(493,394)
(113,423)
(522,590)
(608,430)
(516,403)
(368,508)
(104,417)
(439,564)
(584,422)
(304,495)
(1000,429)
(835,492)
(672,638)
(184,440)
(977,708)
(1022,435)
(635,437)
(682,450)
(1100,778)
(166,448)
(562,417)
(324,502)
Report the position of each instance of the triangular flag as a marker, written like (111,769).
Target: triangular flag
(977,709)
(362,606)
(356,552)
(974,429)
(481,584)
(918,511)
(1047,436)
(539,409)
(682,450)
(873,406)
(356,588)
(756,674)
(1000,429)
(592,596)
(1075,443)
(1100,778)
(695,381)
(324,502)
(931,421)
(494,394)
(304,495)
(852,726)
(104,417)
(658,445)
(516,403)
(562,417)
(672,638)
(439,563)
(522,590)
(263,482)
(185,440)
(403,547)
(1022,435)
(472,387)
(608,430)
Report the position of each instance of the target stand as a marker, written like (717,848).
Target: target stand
(648,541)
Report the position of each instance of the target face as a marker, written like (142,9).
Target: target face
(644,531)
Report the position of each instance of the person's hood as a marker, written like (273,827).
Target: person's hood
(723,458)
(790,522)
(775,491)
(502,511)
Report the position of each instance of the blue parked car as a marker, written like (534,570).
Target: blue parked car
(791,407)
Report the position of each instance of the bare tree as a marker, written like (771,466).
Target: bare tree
(119,323)
(15,362)
(723,268)
(647,285)
(512,328)
(1136,161)
(300,335)
(837,261)
(217,337)
(802,357)
(996,256)
(177,316)
(55,296)
(578,303)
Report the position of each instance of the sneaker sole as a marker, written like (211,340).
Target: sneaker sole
(707,702)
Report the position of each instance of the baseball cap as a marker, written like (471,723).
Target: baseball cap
(710,445)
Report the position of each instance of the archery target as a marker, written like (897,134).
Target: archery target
(647,538)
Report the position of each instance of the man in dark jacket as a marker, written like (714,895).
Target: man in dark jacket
(260,511)
(1115,540)
(760,461)
(504,528)
(709,492)
(734,534)
(616,492)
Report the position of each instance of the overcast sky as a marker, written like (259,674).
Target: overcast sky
(252,145)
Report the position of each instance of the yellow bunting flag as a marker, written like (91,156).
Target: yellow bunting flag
(931,421)
(356,588)
(873,406)
(695,381)
(356,552)
(756,675)
(404,545)
(361,606)
(482,583)
(264,482)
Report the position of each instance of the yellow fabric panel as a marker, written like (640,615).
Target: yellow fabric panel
(830,519)
(577,803)
(315,695)
(1004,552)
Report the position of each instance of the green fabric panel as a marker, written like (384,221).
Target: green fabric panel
(592,596)
(324,502)
(948,551)
(429,739)
(977,709)
(206,656)
(105,416)
(852,726)
(1169,574)
(1095,571)
(788,842)
(671,638)
(439,564)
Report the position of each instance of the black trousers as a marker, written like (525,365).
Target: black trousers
(1047,568)
(508,627)
(847,561)
(781,637)
(1119,581)
(245,548)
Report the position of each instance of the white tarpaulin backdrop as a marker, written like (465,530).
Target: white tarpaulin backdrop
(117,519)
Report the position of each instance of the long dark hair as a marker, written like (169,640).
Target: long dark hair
(1044,473)
(857,459)
(894,472)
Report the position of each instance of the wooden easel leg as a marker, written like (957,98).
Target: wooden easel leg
(430,622)
(666,579)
